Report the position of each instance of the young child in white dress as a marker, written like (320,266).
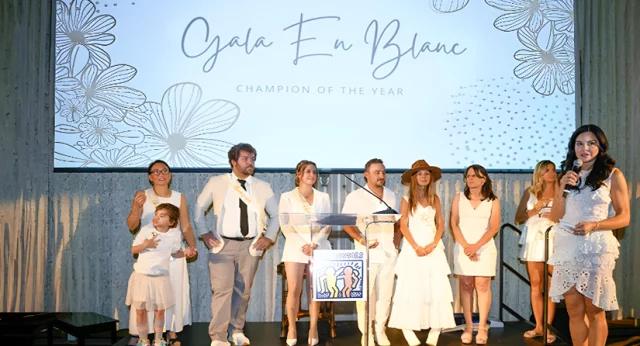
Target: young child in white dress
(149,285)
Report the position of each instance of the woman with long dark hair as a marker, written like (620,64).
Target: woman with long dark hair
(142,211)
(534,212)
(475,219)
(585,249)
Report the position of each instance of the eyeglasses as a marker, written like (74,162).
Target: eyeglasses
(159,171)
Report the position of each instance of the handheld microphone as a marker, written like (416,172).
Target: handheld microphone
(577,164)
(389,209)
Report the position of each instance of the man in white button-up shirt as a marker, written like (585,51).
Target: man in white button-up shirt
(246,222)
(383,251)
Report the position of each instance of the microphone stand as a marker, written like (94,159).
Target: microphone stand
(389,210)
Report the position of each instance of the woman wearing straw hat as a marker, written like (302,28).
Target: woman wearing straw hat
(423,298)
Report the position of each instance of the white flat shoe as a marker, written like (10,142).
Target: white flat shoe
(434,334)
(313,342)
(364,340)
(220,343)
(239,339)
(411,337)
(292,342)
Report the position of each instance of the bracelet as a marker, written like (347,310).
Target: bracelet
(596,226)
(466,246)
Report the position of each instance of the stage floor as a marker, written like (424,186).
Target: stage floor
(268,334)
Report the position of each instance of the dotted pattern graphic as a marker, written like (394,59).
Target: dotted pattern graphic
(503,123)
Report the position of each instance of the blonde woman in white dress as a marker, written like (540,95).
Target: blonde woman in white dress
(142,211)
(584,248)
(423,297)
(300,243)
(475,219)
(534,212)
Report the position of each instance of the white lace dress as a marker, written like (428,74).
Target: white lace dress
(586,262)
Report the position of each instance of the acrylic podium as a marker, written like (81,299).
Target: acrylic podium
(308,225)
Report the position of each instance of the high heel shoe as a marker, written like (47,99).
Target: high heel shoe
(292,342)
(482,339)
(467,335)
(313,341)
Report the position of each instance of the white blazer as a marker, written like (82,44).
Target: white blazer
(215,192)
(291,202)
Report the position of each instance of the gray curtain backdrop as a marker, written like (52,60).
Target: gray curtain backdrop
(608,33)
(65,244)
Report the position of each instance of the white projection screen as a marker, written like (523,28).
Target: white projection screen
(454,82)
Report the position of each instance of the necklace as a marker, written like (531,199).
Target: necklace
(306,195)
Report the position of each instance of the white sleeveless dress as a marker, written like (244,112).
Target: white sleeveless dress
(586,262)
(474,224)
(532,238)
(423,297)
(180,315)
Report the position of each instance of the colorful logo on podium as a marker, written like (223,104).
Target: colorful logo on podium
(339,275)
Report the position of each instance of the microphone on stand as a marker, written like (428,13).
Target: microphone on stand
(577,164)
(389,210)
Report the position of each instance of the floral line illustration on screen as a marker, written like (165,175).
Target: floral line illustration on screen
(112,125)
(545,28)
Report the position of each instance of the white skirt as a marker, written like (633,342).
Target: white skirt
(485,266)
(423,298)
(293,250)
(149,292)
(586,262)
(532,239)
(180,314)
